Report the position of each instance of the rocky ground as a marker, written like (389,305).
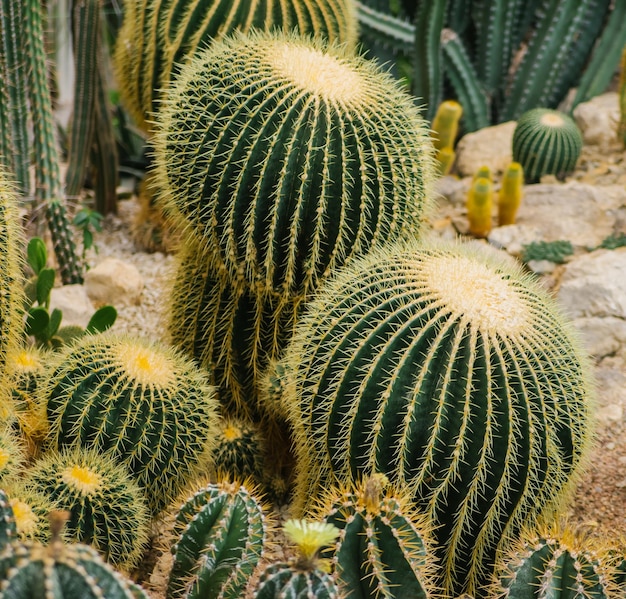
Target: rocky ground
(590,285)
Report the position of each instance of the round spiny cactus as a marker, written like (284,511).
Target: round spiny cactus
(383,543)
(8,526)
(12,453)
(148,404)
(219,533)
(240,451)
(287,156)
(546,142)
(158,35)
(60,571)
(552,560)
(449,369)
(107,508)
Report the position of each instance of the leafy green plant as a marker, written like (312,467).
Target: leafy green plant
(613,242)
(45,326)
(554,251)
(88,221)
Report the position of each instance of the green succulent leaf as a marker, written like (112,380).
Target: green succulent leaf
(102,319)
(37,254)
(55,322)
(37,321)
(45,283)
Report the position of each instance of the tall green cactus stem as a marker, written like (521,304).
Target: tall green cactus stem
(510,194)
(148,404)
(219,534)
(159,35)
(554,561)
(450,370)
(446,124)
(546,142)
(382,546)
(61,571)
(288,156)
(480,207)
(305,576)
(47,174)
(427,73)
(8,526)
(107,508)
(621,129)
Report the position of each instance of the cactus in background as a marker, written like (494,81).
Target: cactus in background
(621,130)
(446,124)
(107,508)
(219,533)
(12,453)
(8,526)
(61,571)
(546,142)
(510,194)
(158,36)
(382,545)
(450,370)
(479,206)
(306,575)
(445,159)
(148,404)
(554,561)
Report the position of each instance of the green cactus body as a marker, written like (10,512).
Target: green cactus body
(288,156)
(8,526)
(159,35)
(510,194)
(12,453)
(546,142)
(61,572)
(148,404)
(219,535)
(305,575)
(382,544)
(240,451)
(553,561)
(107,508)
(448,369)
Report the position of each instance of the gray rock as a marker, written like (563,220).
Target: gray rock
(598,119)
(114,282)
(490,147)
(601,336)
(74,303)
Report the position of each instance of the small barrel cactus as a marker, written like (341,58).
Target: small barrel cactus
(219,533)
(546,142)
(107,509)
(287,156)
(148,404)
(240,451)
(158,35)
(554,561)
(510,194)
(382,545)
(447,368)
(12,453)
(306,575)
(60,571)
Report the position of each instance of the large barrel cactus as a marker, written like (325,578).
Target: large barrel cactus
(450,370)
(159,35)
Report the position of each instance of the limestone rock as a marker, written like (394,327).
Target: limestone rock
(601,336)
(114,282)
(74,303)
(598,118)
(490,147)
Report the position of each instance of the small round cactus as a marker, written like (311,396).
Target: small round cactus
(60,571)
(240,451)
(306,575)
(287,156)
(107,509)
(450,370)
(12,453)
(157,36)
(219,533)
(546,142)
(148,404)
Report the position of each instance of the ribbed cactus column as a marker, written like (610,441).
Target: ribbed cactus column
(450,370)
(159,35)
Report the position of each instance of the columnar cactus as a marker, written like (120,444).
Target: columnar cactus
(107,509)
(61,571)
(480,206)
(382,545)
(546,142)
(219,533)
(554,561)
(148,404)
(159,35)
(510,194)
(450,370)
(304,576)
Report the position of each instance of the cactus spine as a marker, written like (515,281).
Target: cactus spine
(146,403)
(157,36)
(240,451)
(480,206)
(510,194)
(12,453)
(382,544)
(107,509)
(305,575)
(60,571)
(219,535)
(450,370)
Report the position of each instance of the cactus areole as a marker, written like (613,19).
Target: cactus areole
(451,371)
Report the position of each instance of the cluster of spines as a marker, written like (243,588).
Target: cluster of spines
(219,535)
(145,402)
(240,452)
(443,367)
